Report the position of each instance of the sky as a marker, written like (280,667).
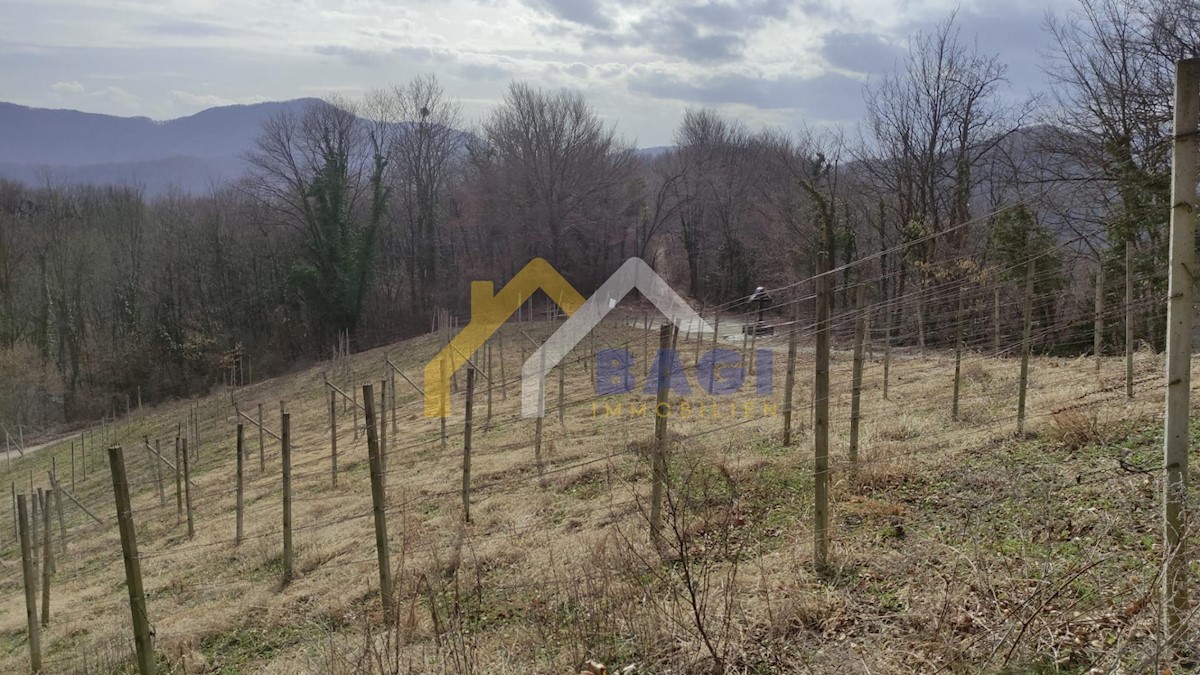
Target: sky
(787,63)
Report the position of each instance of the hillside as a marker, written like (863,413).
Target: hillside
(78,147)
(956,545)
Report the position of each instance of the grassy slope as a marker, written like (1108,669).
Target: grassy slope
(956,546)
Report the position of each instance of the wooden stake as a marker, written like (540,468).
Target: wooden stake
(958,351)
(503,380)
(821,420)
(1129,318)
(383,454)
(262,458)
(158,479)
(241,454)
(1026,336)
(487,423)
(860,336)
(1098,320)
(354,407)
(286,460)
(133,567)
(47,556)
(187,491)
(444,401)
(30,578)
(662,408)
(1180,308)
(178,482)
(789,383)
(62,523)
(379,507)
(466,459)
(333,436)
(996,321)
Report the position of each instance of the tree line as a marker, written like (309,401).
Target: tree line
(363,217)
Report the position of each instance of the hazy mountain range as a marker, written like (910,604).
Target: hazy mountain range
(192,153)
(39,146)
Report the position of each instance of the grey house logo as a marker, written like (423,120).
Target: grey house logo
(634,273)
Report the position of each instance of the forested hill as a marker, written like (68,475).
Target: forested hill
(191,153)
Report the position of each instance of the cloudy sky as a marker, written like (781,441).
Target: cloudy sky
(641,63)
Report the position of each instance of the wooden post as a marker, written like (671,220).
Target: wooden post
(996,321)
(383,455)
(16,522)
(1180,308)
(958,351)
(62,523)
(821,420)
(1129,318)
(645,346)
(333,436)
(241,454)
(860,336)
(540,421)
(47,556)
(354,407)
(72,465)
(158,479)
(487,423)
(443,397)
(133,566)
(262,458)
(37,520)
(789,383)
(888,315)
(379,506)
(466,458)
(286,460)
(1026,336)
(1098,320)
(30,578)
(178,482)
(503,381)
(562,397)
(662,408)
(187,491)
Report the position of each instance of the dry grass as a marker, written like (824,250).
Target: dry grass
(955,545)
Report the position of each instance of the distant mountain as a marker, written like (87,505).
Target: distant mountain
(189,153)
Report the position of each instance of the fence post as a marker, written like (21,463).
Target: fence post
(562,399)
(62,523)
(47,555)
(158,479)
(72,465)
(286,460)
(28,574)
(133,566)
(379,506)
(187,490)
(468,415)
(888,314)
(662,408)
(789,383)
(333,436)
(487,424)
(178,482)
(241,453)
(1129,318)
(16,522)
(821,420)
(1098,321)
(1180,308)
(1026,336)
(541,417)
(383,453)
(996,321)
(860,336)
(503,381)
(444,402)
(262,457)
(958,350)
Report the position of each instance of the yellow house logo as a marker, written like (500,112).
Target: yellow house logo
(488,312)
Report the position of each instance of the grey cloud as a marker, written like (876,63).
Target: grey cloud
(861,52)
(736,16)
(829,96)
(591,13)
